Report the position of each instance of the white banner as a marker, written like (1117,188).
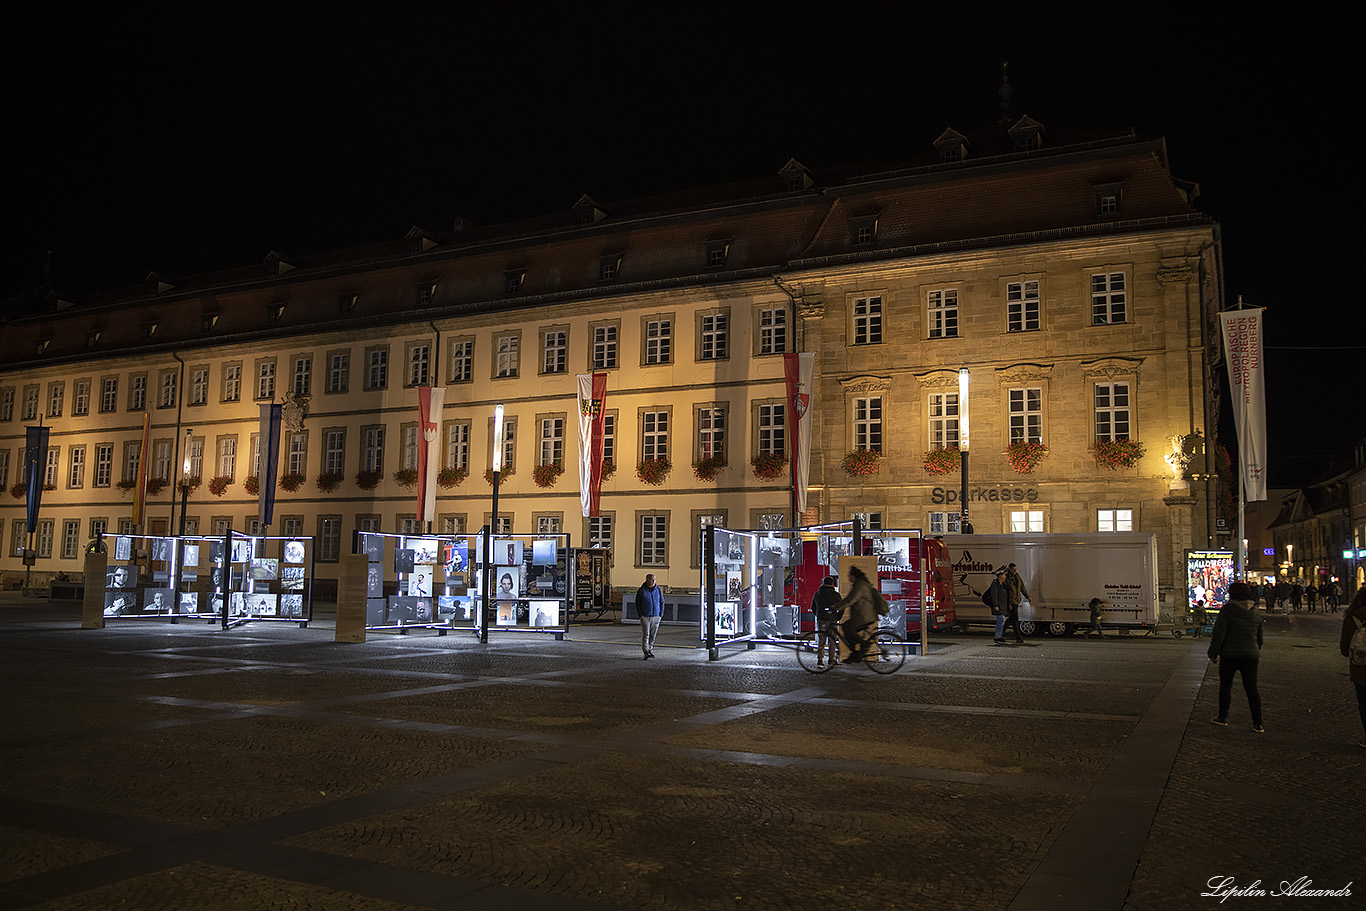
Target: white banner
(592,395)
(799,370)
(429,402)
(1246,377)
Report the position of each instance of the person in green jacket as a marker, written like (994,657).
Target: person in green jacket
(1235,646)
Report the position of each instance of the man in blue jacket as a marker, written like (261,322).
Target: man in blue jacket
(649,608)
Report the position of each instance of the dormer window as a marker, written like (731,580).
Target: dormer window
(92,338)
(864,230)
(795,176)
(1108,198)
(512,281)
(952,146)
(347,302)
(41,348)
(717,251)
(609,267)
(1026,135)
(588,212)
(206,322)
(426,292)
(149,328)
(275,312)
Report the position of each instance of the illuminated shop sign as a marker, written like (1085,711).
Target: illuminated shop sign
(998,493)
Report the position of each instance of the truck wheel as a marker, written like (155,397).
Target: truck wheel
(1178,633)
(1057,628)
(1028,628)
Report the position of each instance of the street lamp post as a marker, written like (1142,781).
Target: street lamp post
(185,481)
(497,466)
(964,526)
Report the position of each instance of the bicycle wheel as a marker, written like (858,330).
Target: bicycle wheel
(891,653)
(808,654)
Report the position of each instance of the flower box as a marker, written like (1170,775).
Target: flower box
(706,467)
(768,466)
(406,476)
(292,482)
(1024,455)
(609,468)
(251,484)
(451,477)
(860,463)
(219,483)
(126,485)
(943,461)
(155,486)
(654,471)
(368,480)
(328,481)
(18,491)
(547,475)
(1113,454)
(503,474)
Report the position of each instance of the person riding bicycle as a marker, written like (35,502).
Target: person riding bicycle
(864,604)
(826,608)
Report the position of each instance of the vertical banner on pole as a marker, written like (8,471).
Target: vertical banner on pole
(429,403)
(1242,331)
(271,416)
(799,370)
(35,466)
(592,396)
(140,490)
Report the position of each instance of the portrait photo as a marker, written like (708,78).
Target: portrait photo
(422,610)
(190,555)
(116,603)
(121,577)
(156,601)
(420,581)
(123,548)
(238,604)
(241,550)
(374,581)
(456,557)
(507,581)
(545,613)
(294,551)
(404,560)
(401,608)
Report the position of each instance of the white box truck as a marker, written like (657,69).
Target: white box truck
(1062,573)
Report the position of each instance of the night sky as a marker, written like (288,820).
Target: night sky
(140,142)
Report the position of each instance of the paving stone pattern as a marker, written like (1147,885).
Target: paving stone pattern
(155,766)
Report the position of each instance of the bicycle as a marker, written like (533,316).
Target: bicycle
(885,655)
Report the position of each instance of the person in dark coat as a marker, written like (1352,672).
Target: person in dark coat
(861,608)
(826,607)
(1235,646)
(999,601)
(1352,619)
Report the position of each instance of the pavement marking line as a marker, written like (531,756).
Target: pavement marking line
(1092,861)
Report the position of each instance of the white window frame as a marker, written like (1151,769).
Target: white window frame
(1114,520)
(941,312)
(458,445)
(1024,405)
(945,523)
(462,360)
(419,364)
(711,432)
(552,441)
(868,422)
(654,434)
(658,339)
(866,315)
(770,427)
(1027,521)
(555,350)
(334,450)
(339,371)
(1024,305)
(265,379)
(1112,407)
(943,429)
(772,334)
(1109,299)
(654,539)
(713,336)
(606,341)
(507,350)
(303,375)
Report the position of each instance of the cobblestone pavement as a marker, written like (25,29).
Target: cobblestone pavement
(155,766)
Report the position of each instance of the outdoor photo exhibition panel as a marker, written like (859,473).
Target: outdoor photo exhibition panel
(161,577)
(436,582)
(761,582)
(270,578)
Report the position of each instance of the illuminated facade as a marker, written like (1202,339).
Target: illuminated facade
(1075,280)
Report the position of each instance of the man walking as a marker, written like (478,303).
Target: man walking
(1015,593)
(649,608)
(826,607)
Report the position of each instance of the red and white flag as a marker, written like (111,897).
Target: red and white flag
(429,402)
(1247,380)
(592,396)
(799,370)
(140,494)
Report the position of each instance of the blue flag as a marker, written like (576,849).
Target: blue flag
(35,463)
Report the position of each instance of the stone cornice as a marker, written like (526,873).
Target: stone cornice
(1019,373)
(857,384)
(1112,366)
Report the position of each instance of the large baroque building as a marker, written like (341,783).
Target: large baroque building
(1072,276)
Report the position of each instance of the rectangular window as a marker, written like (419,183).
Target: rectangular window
(654,435)
(98,527)
(30,403)
(1026,521)
(654,540)
(4,469)
(609,437)
(197,457)
(711,432)
(199,386)
(45,532)
(772,331)
(137,393)
(867,320)
(462,361)
(265,379)
(945,523)
(943,420)
(599,533)
(772,427)
(1022,306)
(1108,299)
(509,443)
(161,460)
(109,394)
(292,526)
(6,404)
(372,452)
(19,536)
(104,465)
(334,451)
(338,371)
(1026,415)
(54,460)
(71,538)
(604,347)
(458,445)
(166,398)
(297,462)
(504,524)
(419,363)
(377,368)
(452,525)
(1114,520)
(507,347)
(232,382)
(303,376)
(548,524)
(56,394)
(658,341)
(556,351)
(942,313)
(329,539)
(552,441)
(80,398)
(227,457)
(868,423)
(713,336)
(1112,412)
(408,433)
(255,456)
